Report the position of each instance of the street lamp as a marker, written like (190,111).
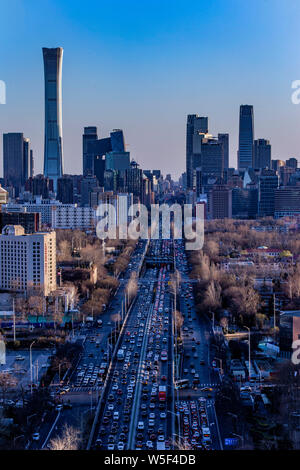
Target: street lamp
(249,349)
(59,366)
(30,358)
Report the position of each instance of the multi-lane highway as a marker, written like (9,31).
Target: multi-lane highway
(159,395)
(136,407)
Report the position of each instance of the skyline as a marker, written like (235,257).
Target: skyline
(141,89)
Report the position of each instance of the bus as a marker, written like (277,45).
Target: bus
(180,384)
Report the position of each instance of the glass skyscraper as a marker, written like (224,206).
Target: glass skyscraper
(246,137)
(53,149)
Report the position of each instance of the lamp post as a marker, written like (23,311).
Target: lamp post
(249,349)
(30,358)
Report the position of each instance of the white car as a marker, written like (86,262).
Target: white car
(163,415)
(110,447)
(59,407)
(161,438)
(121,446)
(36,436)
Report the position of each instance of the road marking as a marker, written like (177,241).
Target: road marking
(50,432)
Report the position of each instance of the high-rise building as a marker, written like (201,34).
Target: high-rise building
(117,161)
(39,185)
(268,183)
(292,163)
(246,137)
(88,184)
(3,196)
(30,221)
(27,260)
(89,135)
(277,164)
(65,190)
(27,160)
(261,154)
(224,139)
(287,201)
(16,159)
(53,147)
(212,156)
(220,202)
(195,125)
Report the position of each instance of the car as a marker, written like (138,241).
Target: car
(36,436)
(161,438)
(20,358)
(59,407)
(163,415)
(121,446)
(141,425)
(110,447)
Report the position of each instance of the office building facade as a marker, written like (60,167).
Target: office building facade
(53,146)
(261,154)
(246,137)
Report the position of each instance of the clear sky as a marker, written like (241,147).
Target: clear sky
(144,65)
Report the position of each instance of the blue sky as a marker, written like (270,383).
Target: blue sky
(144,65)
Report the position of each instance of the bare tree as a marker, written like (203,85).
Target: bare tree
(69,440)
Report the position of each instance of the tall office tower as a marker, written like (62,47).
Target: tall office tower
(212,157)
(117,161)
(195,125)
(89,135)
(246,137)
(261,154)
(53,147)
(224,139)
(26,157)
(268,183)
(292,163)
(27,260)
(199,188)
(287,201)
(117,141)
(31,164)
(65,190)
(88,184)
(16,159)
(220,202)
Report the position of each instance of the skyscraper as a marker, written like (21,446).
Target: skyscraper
(268,183)
(196,125)
(262,154)
(53,148)
(89,135)
(246,136)
(16,159)
(224,138)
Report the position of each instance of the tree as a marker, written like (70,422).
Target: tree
(69,439)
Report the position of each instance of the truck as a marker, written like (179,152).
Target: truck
(162,393)
(120,355)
